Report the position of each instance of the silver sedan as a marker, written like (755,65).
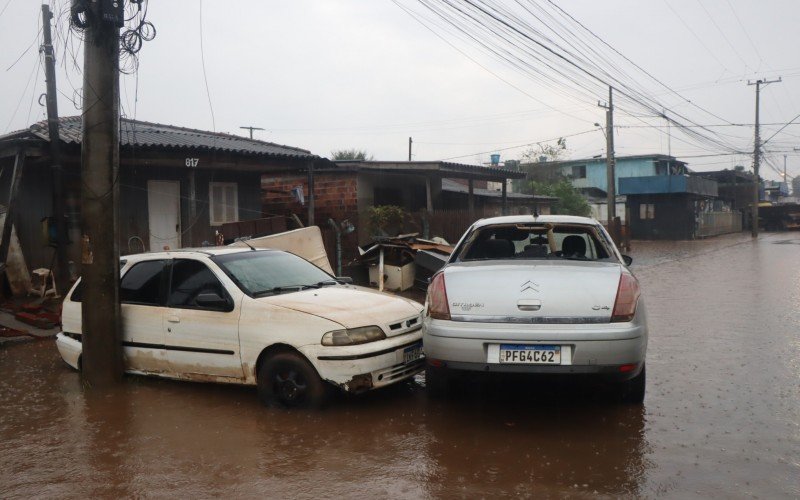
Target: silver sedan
(538,295)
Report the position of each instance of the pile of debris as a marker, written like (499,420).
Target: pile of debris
(36,314)
(401,262)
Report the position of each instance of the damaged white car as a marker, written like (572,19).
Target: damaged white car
(256,317)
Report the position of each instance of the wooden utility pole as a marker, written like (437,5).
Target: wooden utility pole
(57,171)
(757,156)
(611,195)
(409,148)
(102,349)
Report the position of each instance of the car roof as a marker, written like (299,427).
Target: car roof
(190,252)
(541,219)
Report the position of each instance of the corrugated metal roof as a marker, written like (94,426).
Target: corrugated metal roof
(135,133)
(442,167)
(455,187)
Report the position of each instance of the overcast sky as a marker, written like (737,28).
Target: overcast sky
(332,74)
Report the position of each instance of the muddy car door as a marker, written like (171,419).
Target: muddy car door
(201,322)
(142,294)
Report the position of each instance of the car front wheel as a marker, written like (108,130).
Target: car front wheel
(288,380)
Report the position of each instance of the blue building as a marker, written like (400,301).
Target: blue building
(589,175)
(657,195)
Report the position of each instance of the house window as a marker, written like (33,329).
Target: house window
(579,171)
(223,201)
(647,211)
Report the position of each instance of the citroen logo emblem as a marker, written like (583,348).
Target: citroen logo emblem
(530,285)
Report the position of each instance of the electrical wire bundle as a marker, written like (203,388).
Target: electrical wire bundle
(137,30)
(540,41)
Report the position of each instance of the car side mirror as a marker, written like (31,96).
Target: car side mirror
(344,280)
(212,300)
(627,259)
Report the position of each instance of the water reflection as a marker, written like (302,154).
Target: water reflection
(515,436)
(720,418)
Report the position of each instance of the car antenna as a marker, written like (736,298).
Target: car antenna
(244,240)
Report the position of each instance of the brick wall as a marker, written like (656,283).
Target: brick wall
(335,195)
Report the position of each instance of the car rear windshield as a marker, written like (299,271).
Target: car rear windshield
(266,272)
(535,241)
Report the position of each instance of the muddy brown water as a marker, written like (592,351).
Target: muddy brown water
(721,418)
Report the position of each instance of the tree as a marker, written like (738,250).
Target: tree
(351,154)
(570,201)
(550,152)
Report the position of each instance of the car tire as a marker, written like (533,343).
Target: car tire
(288,380)
(632,391)
(437,381)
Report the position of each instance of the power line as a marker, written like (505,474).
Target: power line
(205,76)
(724,36)
(780,129)
(489,26)
(521,145)
(699,40)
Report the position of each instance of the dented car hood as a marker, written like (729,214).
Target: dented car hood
(350,306)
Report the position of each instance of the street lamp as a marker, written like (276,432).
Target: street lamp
(602,129)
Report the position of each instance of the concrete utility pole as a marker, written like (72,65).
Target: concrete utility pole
(251,130)
(409,148)
(757,156)
(102,349)
(611,195)
(57,172)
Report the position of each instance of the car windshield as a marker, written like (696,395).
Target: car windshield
(268,272)
(535,241)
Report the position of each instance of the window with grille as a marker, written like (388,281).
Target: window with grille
(223,201)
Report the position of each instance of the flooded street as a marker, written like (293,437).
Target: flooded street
(721,417)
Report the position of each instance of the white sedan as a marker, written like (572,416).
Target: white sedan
(256,317)
(539,295)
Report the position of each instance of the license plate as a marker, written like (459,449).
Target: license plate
(412,353)
(530,354)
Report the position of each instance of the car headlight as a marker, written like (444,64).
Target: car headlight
(353,336)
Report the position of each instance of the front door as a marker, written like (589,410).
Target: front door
(201,339)
(164,215)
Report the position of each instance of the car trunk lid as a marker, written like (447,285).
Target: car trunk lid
(548,292)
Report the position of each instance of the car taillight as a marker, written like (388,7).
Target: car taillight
(627,298)
(437,299)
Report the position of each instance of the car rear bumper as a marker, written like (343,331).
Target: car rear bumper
(609,373)
(367,366)
(70,350)
(614,351)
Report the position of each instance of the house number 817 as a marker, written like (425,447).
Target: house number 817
(192,162)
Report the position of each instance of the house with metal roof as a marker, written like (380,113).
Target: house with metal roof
(177,185)
(448,196)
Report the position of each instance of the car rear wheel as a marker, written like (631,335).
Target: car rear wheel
(287,379)
(632,391)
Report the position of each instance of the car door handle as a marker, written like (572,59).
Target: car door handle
(529,304)
(173,319)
